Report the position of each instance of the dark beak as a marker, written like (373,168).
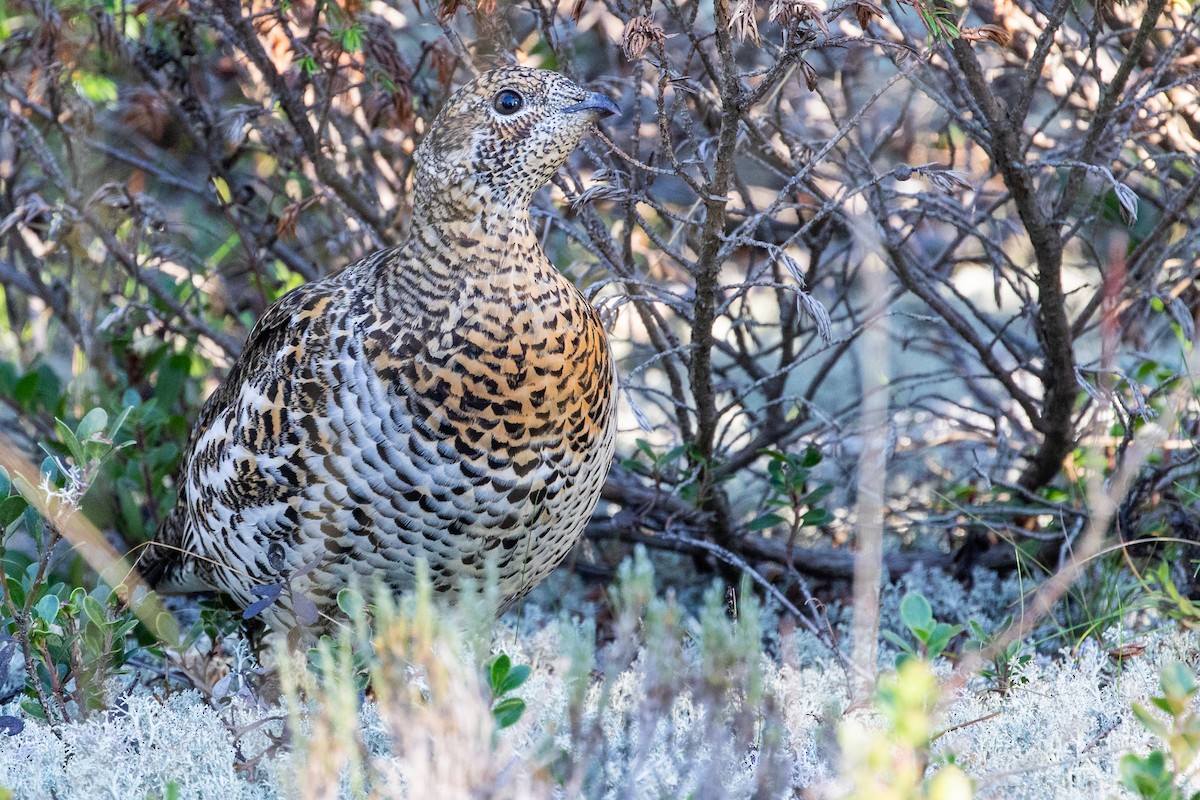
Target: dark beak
(598,105)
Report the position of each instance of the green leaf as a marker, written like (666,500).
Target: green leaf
(163,456)
(775,475)
(799,477)
(940,637)
(222,188)
(1150,722)
(916,613)
(923,633)
(33,709)
(352,38)
(5,483)
(130,506)
(166,628)
(66,437)
(49,469)
(308,65)
(96,88)
(26,389)
(351,603)
(816,516)
(94,610)
(766,521)
(1149,776)
(16,590)
(1163,704)
(47,608)
(119,422)
(516,676)
(817,495)
(34,525)
(93,641)
(898,640)
(812,457)
(11,509)
(94,422)
(1177,680)
(508,711)
(674,454)
(497,672)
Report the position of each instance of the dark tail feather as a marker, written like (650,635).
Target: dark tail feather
(164,564)
(152,564)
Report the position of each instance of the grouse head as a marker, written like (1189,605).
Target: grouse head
(502,136)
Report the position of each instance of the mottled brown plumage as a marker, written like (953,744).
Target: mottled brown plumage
(450,400)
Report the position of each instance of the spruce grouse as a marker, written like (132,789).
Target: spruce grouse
(451,399)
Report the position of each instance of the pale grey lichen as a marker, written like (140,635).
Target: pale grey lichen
(134,750)
(1063,732)
(32,762)
(679,705)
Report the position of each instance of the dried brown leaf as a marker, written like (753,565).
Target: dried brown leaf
(1128,200)
(865,10)
(385,108)
(146,113)
(781,11)
(33,208)
(112,195)
(787,11)
(161,9)
(444,60)
(394,100)
(286,226)
(813,12)
(1127,651)
(380,46)
(943,179)
(447,9)
(743,23)
(599,191)
(639,34)
(984,33)
(815,310)
(810,75)
(326,48)
(233,125)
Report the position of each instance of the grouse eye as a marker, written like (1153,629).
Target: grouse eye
(508,102)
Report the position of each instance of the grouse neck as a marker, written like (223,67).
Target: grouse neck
(486,240)
(454,194)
